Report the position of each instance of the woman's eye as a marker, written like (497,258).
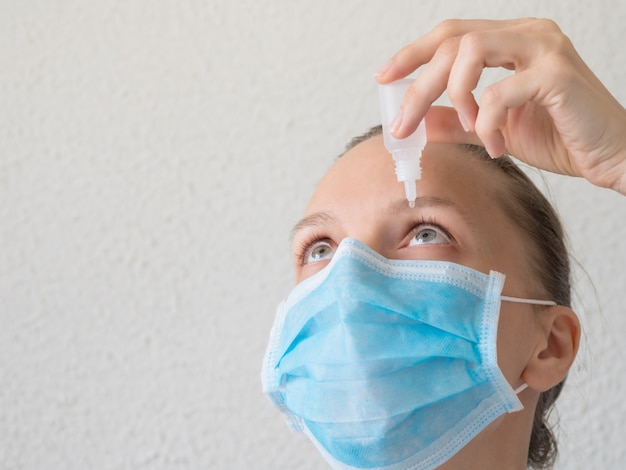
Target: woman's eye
(319,251)
(429,235)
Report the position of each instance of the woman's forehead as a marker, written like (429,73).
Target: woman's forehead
(366,172)
(360,197)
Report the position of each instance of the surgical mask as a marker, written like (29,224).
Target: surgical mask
(389,364)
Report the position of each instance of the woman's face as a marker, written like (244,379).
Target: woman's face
(457,217)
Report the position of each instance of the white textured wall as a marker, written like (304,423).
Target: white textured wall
(153,158)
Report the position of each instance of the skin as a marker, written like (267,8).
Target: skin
(552,112)
(458,217)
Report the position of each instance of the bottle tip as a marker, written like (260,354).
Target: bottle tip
(412,204)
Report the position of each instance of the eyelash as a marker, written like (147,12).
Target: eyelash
(305,246)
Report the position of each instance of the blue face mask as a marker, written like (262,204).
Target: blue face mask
(389,364)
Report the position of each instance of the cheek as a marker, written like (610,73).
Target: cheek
(515,342)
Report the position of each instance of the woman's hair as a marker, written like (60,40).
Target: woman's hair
(530,211)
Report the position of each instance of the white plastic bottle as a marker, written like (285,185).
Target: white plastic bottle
(407,152)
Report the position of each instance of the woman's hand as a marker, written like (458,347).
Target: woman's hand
(552,113)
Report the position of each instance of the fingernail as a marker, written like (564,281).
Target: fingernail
(395,124)
(383,70)
(463,122)
(496,146)
(493,153)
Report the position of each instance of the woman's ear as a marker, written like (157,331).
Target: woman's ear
(555,351)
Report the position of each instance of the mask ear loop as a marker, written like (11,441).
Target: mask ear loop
(528,301)
(520,389)
(550,303)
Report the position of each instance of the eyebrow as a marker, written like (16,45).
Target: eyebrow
(316,219)
(322,218)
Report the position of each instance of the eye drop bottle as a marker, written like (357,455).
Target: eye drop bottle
(407,152)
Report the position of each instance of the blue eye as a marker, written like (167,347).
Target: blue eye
(319,251)
(429,235)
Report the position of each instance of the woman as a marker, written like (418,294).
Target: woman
(402,346)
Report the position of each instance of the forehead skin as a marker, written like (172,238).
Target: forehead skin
(359,198)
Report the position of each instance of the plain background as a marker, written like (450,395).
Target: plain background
(154,156)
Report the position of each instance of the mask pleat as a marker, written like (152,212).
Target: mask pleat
(394,439)
(376,397)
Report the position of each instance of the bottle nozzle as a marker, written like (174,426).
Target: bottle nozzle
(408,170)
(409,190)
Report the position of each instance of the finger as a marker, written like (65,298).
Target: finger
(443,126)
(477,50)
(496,102)
(421,51)
(427,87)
